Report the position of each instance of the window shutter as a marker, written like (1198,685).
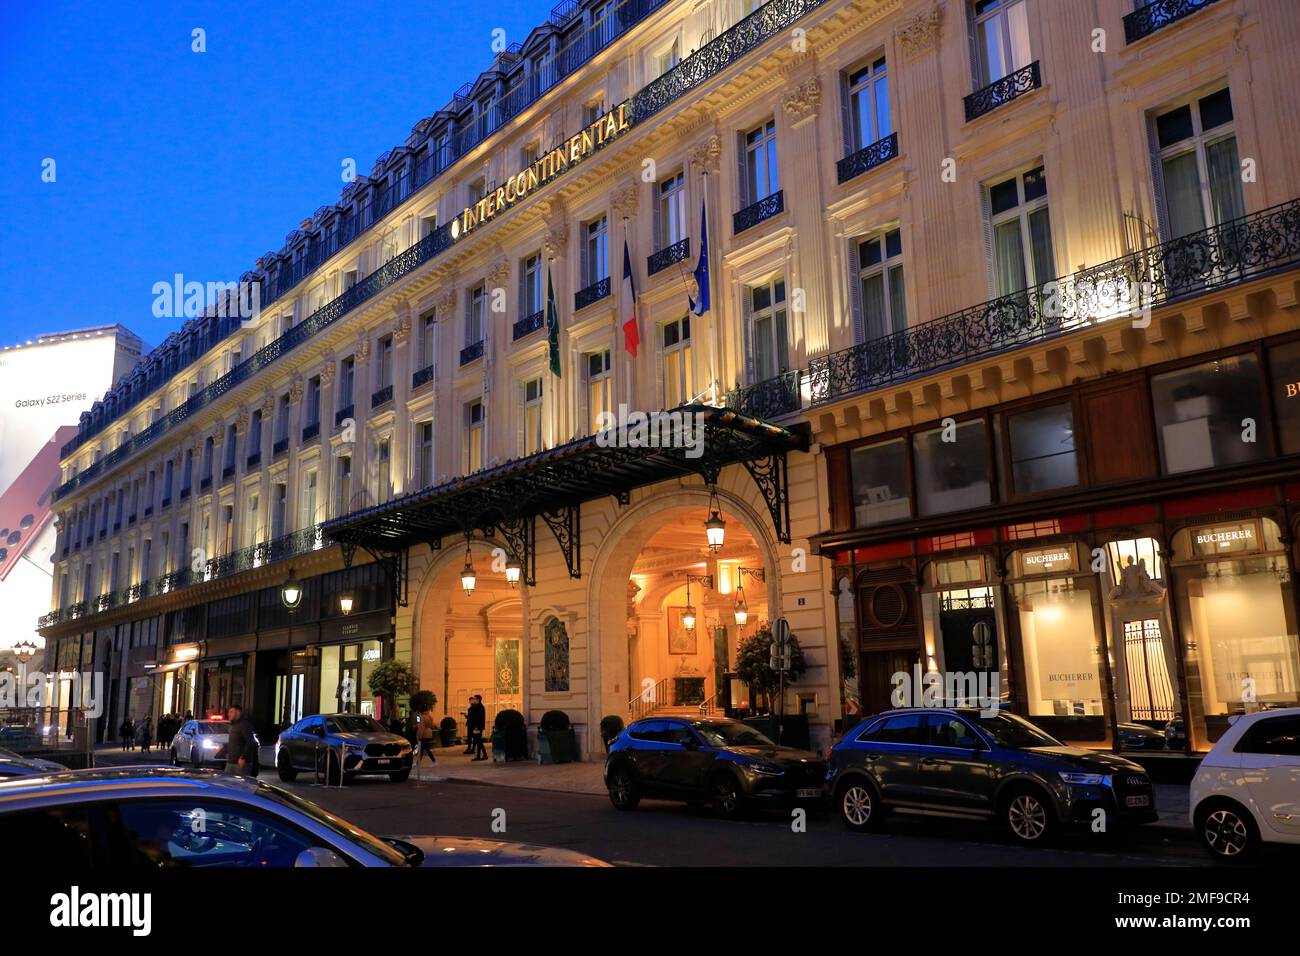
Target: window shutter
(846,114)
(855,292)
(522,302)
(972,37)
(584,259)
(990,272)
(742,181)
(746,325)
(782,342)
(1161,225)
(656,200)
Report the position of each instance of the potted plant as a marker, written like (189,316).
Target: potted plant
(509,736)
(610,727)
(392,679)
(447,731)
(555,740)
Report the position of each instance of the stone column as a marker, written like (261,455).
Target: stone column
(403,367)
(801,172)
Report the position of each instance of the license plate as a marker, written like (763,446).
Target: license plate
(1142,801)
(386,761)
(807,792)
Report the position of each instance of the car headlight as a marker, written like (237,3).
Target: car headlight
(766,770)
(1084,779)
(210,745)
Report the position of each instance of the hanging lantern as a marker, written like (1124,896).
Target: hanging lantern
(514,570)
(715,529)
(688,618)
(346,600)
(291,592)
(742,609)
(467,576)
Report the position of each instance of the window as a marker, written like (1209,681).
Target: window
(231,443)
(1284,366)
(473,436)
(424,465)
(1201,414)
(347,374)
(167,487)
(905,729)
(53,833)
(600,386)
(251,525)
(530,286)
(767,330)
(867,117)
(309,488)
(950,732)
(759,175)
(668,58)
(474,316)
(593,111)
(428,225)
(1275,736)
(227,530)
(254,446)
(343,490)
(1199,173)
(532,416)
(282,418)
(385,362)
(166,833)
(670,224)
(879,475)
(595,251)
(677,362)
(426,339)
(880,281)
(384,454)
(1001,39)
(951,475)
(1020,233)
(1041,449)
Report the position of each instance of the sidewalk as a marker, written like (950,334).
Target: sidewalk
(455,766)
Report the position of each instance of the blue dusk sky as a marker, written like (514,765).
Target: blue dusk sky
(173,161)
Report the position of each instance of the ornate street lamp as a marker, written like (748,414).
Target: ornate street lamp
(346,600)
(514,570)
(742,607)
(25,650)
(291,592)
(688,616)
(715,528)
(468,578)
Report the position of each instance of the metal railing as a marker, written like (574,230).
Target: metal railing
(423,377)
(529,324)
(1146,20)
(662,258)
(754,213)
(1010,87)
(471,353)
(709,706)
(591,294)
(382,397)
(649,700)
(768,399)
(868,157)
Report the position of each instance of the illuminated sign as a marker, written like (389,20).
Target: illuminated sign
(521,185)
(1229,538)
(1047,559)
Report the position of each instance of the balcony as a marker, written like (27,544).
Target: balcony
(310,432)
(528,325)
(227,473)
(423,377)
(867,158)
(662,259)
(149,511)
(185,492)
(280,447)
(1145,21)
(767,399)
(253,460)
(591,294)
(205,484)
(1238,251)
(1010,87)
(471,353)
(167,500)
(382,397)
(343,414)
(117,526)
(753,214)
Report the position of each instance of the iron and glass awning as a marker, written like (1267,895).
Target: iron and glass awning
(553,484)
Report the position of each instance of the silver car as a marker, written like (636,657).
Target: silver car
(150,817)
(200,741)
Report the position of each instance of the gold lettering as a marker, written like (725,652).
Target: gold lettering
(611,126)
(1291,391)
(532,178)
(588,142)
(623,122)
(501,196)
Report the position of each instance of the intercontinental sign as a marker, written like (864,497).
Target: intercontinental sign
(519,186)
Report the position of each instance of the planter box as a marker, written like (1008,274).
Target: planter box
(557,746)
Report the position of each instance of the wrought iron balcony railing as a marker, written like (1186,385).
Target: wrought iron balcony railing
(529,324)
(1234,252)
(661,259)
(768,399)
(1145,21)
(591,294)
(423,377)
(868,157)
(205,484)
(382,397)
(253,460)
(227,473)
(310,432)
(769,21)
(754,213)
(1010,87)
(471,353)
(343,414)
(280,447)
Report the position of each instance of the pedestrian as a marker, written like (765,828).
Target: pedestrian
(241,744)
(424,735)
(144,733)
(469,736)
(126,732)
(476,721)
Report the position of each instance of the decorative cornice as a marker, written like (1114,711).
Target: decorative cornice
(921,33)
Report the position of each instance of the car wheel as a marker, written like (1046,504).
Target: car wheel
(727,803)
(399,776)
(1228,831)
(623,791)
(282,764)
(1028,817)
(860,808)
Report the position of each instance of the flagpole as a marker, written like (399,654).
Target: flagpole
(627,356)
(713,307)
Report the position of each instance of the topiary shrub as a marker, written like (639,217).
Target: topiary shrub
(510,735)
(610,727)
(422,701)
(447,731)
(553,720)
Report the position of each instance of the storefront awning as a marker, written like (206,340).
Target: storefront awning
(553,484)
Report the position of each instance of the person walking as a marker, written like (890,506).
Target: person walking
(126,732)
(144,733)
(476,721)
(469,733)
(241,745)
(424,734)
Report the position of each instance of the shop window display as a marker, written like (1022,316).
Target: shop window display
(952,468)
(1237,611)
(1142,655)
(1203,414)
(963,621)
(880,482)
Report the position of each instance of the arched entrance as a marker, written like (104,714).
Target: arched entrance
(644,657)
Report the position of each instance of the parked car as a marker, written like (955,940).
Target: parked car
(367,748)
(1247,789)
(1176,734)
(199,742)
(18,765)
(961,762)
(708,760)
(1138,737)
(150,817)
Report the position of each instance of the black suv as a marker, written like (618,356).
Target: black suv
(963,762)
(708,760)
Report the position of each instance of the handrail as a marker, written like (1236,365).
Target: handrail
(709,706)
(649,700)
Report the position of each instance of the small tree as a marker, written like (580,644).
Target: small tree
(753,664)
(392,679)
(423,701)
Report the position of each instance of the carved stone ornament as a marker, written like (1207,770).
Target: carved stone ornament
(218,437)
(1135,585)
(241,423)
(498,272)
(705,156)
(921,33)
(625,202)
(296,389)
(555,241)
(402,328)
(362,350)
(804,99)
(268,406)
(445,302)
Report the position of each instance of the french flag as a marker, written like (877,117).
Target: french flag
(631,325)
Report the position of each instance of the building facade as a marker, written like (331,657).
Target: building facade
(1036,486)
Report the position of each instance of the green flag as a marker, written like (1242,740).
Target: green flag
(552,323)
